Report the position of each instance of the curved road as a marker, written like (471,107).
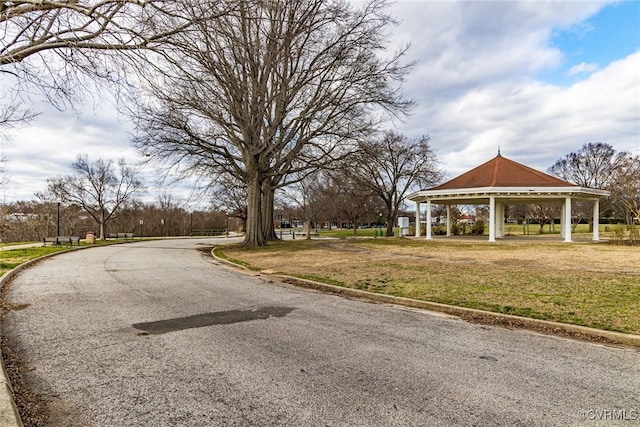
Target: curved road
(156,334)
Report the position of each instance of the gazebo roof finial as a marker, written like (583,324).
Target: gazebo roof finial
(499,155)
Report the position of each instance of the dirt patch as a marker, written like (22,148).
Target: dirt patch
(205,249)
(344,246)
(33,410)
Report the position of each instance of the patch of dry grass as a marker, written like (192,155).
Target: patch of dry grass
(596,285)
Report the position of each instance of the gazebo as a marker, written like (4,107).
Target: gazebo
(501,182)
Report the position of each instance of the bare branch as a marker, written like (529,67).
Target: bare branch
(60,47)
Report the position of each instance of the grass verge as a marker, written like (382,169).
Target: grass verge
(11,258)
(594,285)
(220,254)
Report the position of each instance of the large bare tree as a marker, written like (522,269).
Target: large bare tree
(98,187)
(391,166)
(270,89)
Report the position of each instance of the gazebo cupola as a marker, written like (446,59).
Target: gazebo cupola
(501,182)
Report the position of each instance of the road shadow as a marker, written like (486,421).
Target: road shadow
(211,319)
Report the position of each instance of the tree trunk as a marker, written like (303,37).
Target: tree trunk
(268,196)
(102,237)
(391,220)
(390,229)
(254,235)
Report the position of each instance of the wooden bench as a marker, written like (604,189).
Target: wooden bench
(58,240)
(125,236)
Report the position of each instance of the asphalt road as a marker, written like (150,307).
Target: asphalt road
(155,334)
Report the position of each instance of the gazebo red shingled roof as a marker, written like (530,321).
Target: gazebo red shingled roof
(502,172)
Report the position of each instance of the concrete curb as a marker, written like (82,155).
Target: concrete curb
(9,415)
(469,314)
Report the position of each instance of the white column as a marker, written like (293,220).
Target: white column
(428,225)
(499,219)
(567,219)
(562,209)
(418,219)
(448,220)
(492,219)
(596,220)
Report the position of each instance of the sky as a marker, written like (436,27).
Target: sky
(534,79)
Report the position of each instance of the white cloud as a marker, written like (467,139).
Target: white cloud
(581,68)
(52,142)
(460,45)
(535,123)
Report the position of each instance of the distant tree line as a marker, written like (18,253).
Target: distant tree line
(30,221)
(103,196)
